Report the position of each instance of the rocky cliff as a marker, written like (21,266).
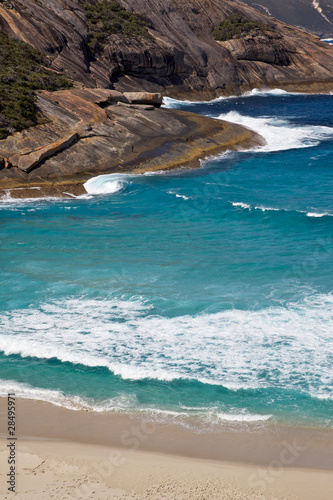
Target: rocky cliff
(180,56)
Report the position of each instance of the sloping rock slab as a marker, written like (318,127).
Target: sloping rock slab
(30,161)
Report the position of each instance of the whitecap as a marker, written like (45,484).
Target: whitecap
(263,92)
(316,214)
(230,348)
(267,209)
(241,205)
(179,195)
(263,208)
(280,135)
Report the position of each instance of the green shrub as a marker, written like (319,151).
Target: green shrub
(107,18)
(237,26)
(22,72)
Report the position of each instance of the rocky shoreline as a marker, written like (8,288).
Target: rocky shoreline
(88,132)
(97,126)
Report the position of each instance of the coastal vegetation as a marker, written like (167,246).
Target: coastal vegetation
(22,71)
(237,26)
(107,18)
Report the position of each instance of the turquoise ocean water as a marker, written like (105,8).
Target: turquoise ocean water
(196,296)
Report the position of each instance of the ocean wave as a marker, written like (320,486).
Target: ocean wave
(106,184)
(171,103)
(268,209)
(278,346)
(316,214)
(280,135)
(262,208)
(127,403)
(240,204)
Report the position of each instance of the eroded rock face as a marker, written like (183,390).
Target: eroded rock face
(182,57)
(266,47)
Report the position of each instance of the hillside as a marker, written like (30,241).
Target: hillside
(315,16)
(168,46)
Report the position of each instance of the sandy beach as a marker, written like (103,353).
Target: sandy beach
(63,453)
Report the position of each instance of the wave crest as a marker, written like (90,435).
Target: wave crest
(233,348)
(106,184)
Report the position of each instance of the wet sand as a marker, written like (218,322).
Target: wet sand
(64,453)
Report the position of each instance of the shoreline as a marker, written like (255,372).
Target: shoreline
(78,453)
(110,139)
(233,442)
(197,137)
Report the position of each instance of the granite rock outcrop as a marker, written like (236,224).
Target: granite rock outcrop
(180,57)
(85,133)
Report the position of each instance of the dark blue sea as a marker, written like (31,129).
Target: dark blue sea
(201,296)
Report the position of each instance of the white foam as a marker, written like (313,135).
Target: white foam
(230,348)
(179,195)
(58,398)
(6,200)
(280,135)
(171,103)
(106,184)
(267,209)
(262,208)
(327,40)
(79,197)
(127,403)
(193,417)
(316,214)
(263,92)
(241,205)
(257,207)
(239,417)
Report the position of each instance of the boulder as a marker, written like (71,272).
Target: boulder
(144,98)
(101,96)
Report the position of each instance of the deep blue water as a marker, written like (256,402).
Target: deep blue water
(196,293)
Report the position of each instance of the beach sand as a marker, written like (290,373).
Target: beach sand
(63,454)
